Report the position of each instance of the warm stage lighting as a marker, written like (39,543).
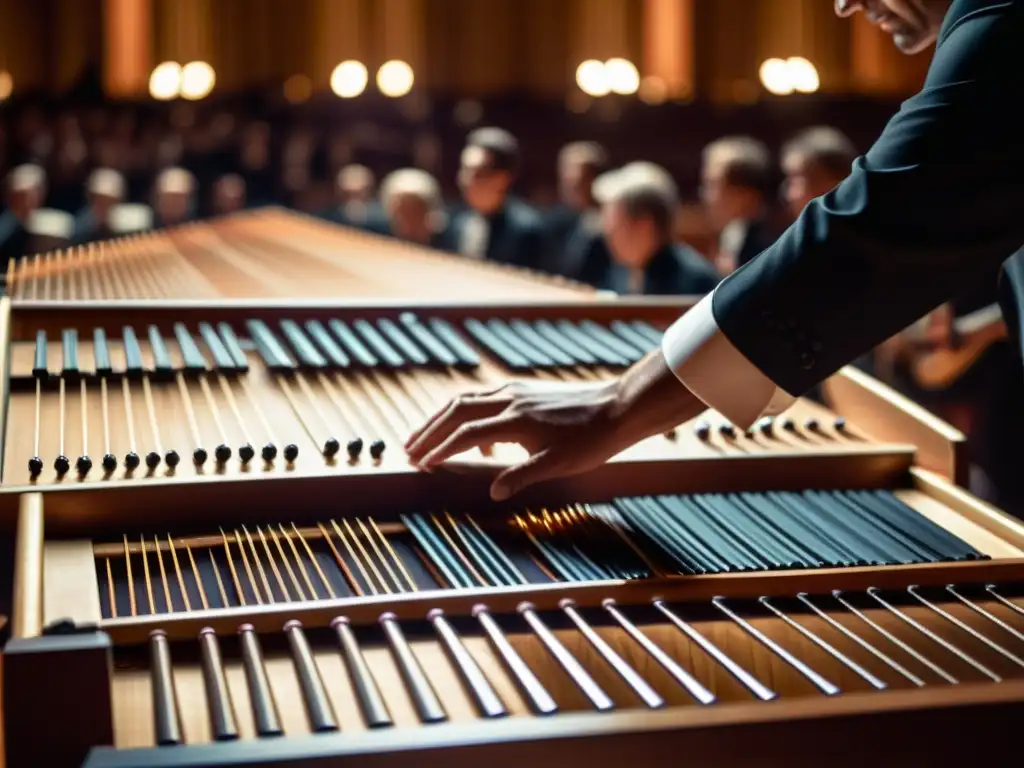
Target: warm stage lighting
(297,89)
(6,85)
(197,80)
(776,77)
(803,75)
(349,79)
(622,76)
(653,90)
(784,76)
(165,81)
(592,78)
(395,78)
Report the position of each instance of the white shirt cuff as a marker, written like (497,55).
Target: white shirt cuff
(716,372)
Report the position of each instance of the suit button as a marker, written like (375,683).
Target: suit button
(806,361)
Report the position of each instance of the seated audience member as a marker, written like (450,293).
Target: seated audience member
(24,191)
(639,203)
(495,225)
(577,216)
(104,189)
(413,207)
(814,162)
(228,195)
(49,229)
(174,197)
(735,176)
(129,218)
(355,206)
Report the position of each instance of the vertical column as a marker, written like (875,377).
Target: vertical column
(399,32)
(127,53)
(668,45)
(599,29)
(191,23)
(338,27)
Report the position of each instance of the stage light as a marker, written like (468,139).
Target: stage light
(395,78)
(622,76)
(776,77)
(197,80)
(297,89)
(349,79)
(165,81)
(6,85)
(803,75)
(592,78)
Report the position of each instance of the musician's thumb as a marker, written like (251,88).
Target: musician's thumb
(540,466)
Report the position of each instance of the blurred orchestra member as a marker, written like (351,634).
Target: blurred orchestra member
(413,207)
(104,189)
(639,204)
(129,218)
(735,175)
(578,214)
(174,197)
(24,192)
(49,229)
(254,163)
(495,226)
(354,190)
(228,194)
(814,162)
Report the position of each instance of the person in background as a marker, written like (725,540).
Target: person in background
(104,189)
(414,208)
(572,226)
(638,209)
(736,173)
(174,197)
(49,229)
(356,207)
(495,225)
(24,192)
(228,195)
(814,162)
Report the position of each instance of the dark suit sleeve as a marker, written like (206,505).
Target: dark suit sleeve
(938,199)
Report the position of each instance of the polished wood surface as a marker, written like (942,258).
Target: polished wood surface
(269,253)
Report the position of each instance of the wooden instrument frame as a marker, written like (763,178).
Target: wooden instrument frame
(82,651)
(42,656)
(872,407)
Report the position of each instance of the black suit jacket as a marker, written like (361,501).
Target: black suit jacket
(758,237)
(515,235)
(676,270)
(938,199)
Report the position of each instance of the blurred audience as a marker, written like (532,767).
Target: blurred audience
(814,162)
(414,208)
(228,195)
(639,204)
(174,197)
(577,215)
(105,189)
(24,192)
(355,204)
(736,174)
(495,224)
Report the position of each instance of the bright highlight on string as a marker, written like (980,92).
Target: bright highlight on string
(395,78)
(165,81)
(197,80)
(785,76)
(349,79)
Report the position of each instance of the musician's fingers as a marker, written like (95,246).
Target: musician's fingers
(472,434)
(459,411)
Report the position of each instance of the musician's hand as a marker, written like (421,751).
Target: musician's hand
(568,428)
